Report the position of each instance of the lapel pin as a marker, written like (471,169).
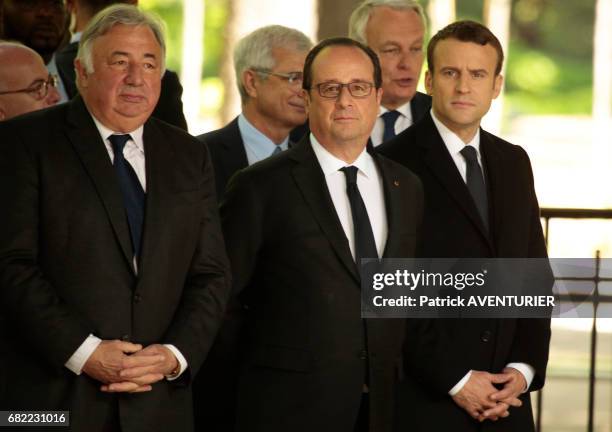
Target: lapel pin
(395,183)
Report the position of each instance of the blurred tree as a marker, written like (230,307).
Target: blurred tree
(334,16)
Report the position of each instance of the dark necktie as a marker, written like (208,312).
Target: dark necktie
(131,189)
(389,118)
(365,245)
(277,150)
(475,183)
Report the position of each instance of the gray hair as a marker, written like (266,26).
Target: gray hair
(361,15)
(254,51)
(107,18)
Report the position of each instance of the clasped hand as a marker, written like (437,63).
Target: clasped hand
(126,367)
(483,401)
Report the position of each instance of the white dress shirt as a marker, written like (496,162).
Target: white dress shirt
(403,122)
(370,187)
(133,152)
(257,145)
(454,145)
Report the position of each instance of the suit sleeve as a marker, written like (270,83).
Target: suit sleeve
(531,345)
(169,107)
(42,320)
(207,285)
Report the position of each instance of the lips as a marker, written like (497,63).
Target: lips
(404,82)
(298,106)
(462,104)
(133,98)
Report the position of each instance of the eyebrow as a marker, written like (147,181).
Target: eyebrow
(124,53)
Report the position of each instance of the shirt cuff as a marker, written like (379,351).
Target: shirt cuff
(181,360)
(526,370)
(77,360)
(457,388)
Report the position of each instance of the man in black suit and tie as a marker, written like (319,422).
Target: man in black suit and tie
(169,107)
(480,202)
(296,227)
(268,64)
(112,266)
(395,30)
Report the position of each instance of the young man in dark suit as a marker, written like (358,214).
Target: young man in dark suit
(268,64)
(113,270)
(471,375)
(296,227)
(169,107)
(395,30)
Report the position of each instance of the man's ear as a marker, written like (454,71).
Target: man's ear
(428,82)
(2,113)
(306,96)
(82,77)
(249,81)
(497,85)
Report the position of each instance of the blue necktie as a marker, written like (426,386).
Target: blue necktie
(475,183)
(389,118)
(131,189)
(277,150)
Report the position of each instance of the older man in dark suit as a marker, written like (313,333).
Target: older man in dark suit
(169,107)
(268,64)
(112,265)
(480,202)
(297,226)
(395,30)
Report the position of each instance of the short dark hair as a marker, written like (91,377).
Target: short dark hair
(466,31)
(339,41)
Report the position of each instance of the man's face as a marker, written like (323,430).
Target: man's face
(463,84)
(397,37)
(276,100)
(25,70)
(345,119)
(39,24)
(124,86)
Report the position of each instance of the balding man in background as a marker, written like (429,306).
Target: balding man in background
(25,84)
(169,108)
(395,30)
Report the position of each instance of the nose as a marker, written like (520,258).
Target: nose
(463,85)
(134,75)
(53,96)
(344,99)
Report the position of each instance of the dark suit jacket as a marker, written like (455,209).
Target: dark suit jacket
(441,352)
(66,266)
(420,106)
(227,153)
(169,107)
(305,354)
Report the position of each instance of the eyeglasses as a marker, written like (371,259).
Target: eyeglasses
(56,5)
(290,77)
(357,89)
(39,89)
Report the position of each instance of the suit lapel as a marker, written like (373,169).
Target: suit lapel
(311,182)
(393,203)
(86,140)
(236,158)
(494,174)
(442,166)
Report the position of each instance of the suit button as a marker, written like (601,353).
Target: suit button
(137,298)
(485,336)
(125,338)
(363,355)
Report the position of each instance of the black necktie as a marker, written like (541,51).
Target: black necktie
(389,119)
(475,183)
(365,245)
(131,189)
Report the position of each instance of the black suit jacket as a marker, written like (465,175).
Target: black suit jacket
(66,266)
(441,352)
(420,106)
(305,356)
(227,153)
(169,107)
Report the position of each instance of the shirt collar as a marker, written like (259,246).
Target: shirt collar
(257,142)
(330,164)
(404,110)
(76,37)
(106,132)
(450,138)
